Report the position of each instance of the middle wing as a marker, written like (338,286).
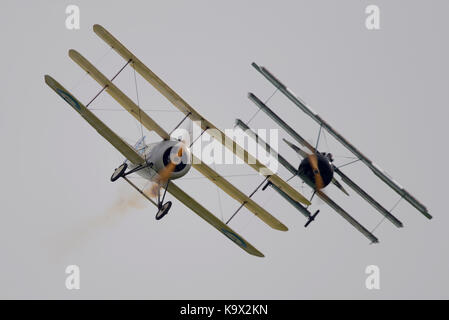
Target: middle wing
(184,107)
(135,158)
(125,149)
(235,193)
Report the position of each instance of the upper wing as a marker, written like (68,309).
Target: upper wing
(135,158)
(376,170)
(212,220)
(346,215)
(183,106)
(118,95)
(151,125)
(92,119)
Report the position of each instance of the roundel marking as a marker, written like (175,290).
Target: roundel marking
(70,100)
(235,238)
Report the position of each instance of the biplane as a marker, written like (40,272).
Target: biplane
(317,169)
(169,159)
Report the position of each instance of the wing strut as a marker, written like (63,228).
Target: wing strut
(140,191)
(281,160)
(241,206)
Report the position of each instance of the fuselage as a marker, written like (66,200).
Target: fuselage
(306,173)
(159,155)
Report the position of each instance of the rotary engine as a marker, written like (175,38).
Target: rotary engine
(166,153)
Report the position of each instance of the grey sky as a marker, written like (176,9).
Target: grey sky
(385,91)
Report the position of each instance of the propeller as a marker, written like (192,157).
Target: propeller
(313,160)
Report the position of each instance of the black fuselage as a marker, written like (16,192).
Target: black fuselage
(326,170)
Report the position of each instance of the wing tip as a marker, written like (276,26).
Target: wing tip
(47,78)
(257,253)
(97,28)
(281,227)
(51,82)
(73,53)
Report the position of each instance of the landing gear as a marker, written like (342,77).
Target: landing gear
(119,172)
(163,207)
(163,210)
(311,218)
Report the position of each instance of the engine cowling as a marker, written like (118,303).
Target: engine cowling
(166,152)
(325,168)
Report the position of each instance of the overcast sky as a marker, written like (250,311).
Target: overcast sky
(385,90)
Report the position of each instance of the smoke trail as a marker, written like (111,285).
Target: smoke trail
(78,235)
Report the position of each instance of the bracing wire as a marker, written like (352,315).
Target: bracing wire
(383,219)
(83,77)
(253,216)
(219,198)
(266,101)
(325,141)
(347,164)
(138,101)
(224,176)
(122,110)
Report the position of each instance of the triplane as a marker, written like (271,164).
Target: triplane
(317,169)
(171,158)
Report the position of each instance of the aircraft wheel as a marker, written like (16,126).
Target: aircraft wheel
(163,210)
(119,172)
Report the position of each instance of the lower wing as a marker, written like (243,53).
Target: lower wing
(348,217)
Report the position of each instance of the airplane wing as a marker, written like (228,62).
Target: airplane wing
(125,149)
(184,107)
(368,198)
(346,216)
(281,160)
(151,125)
(212,220)
(235,193)
(135,158)
(117,94)
(374,168)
